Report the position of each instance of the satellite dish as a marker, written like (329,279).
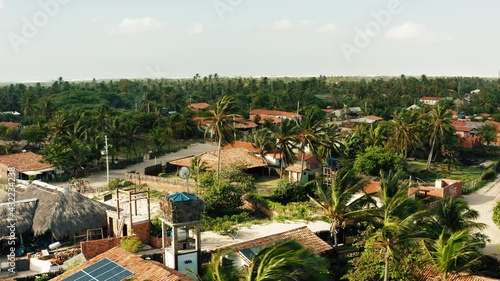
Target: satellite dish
(184,173)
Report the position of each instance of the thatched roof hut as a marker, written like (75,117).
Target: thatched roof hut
(22,214)
(63,212)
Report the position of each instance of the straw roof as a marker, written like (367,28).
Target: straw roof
(65,213)
(235,157)
(22,212)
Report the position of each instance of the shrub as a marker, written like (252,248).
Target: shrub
(287,192)
(118,183)
(131,244)
(496,214)
(489,175)
(222,199)
(375,159)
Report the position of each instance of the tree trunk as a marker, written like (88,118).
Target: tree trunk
(281,163)
(386,265)
(218,159)
(302,165)
(333,231)
(429,159)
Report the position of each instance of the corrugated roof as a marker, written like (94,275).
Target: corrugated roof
(142,269)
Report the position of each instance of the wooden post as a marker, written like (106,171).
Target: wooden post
(149,205)
(130,209)
(118,204)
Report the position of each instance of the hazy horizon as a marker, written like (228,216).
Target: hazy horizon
(108,40)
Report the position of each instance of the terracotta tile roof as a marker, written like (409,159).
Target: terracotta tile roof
(372,187)
(295,169)
(329,110)
(431,98)
(24,161)
(142,269)
(267,112)
(199,105)
(10,124)
(229,157)
(242,144)
(430,274)
(373,117)
(244,123)
(201,121)
(462,129)
(302,235)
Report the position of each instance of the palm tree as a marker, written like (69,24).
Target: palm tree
(221,125)
(405,134)
(308,132)
(338,203)
(457,252)
(285,260)
(286,142)
(487,133)
(395,220)
(263,140)
(440,127)
(454,214)
(330,142)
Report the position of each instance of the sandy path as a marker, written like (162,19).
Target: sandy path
(484,200)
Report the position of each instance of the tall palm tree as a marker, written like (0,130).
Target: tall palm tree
(330,142)
(308,133)
(263,140)
(285,260)
(221,125)
(405,134)
(440,127)
(338,203)
(395,220)
(457,252)
(286,142)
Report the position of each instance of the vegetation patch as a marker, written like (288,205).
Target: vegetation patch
(496,214)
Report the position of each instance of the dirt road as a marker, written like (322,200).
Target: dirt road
(98,180)
(484,200)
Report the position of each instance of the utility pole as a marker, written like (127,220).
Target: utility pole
(107,158)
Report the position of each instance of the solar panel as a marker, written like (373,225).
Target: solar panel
(104,270)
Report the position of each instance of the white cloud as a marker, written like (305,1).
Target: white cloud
(196,28)
(287,25)
(329,27)
(144,24)
(415,31)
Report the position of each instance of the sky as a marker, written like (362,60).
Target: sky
(110,39)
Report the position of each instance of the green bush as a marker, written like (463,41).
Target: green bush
(222,199)
(43,277)
(226,225)
(131,244)
(118,183)
(287,192)
(375,159)
(496,214)
(489,175)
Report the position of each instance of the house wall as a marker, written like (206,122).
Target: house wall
(141,230)
(93,248)
(4,173)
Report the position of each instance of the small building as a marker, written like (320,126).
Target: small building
(273,116)
(441,189)
(306,173)
(27,165)
(413,107)
(234,157)
(430,100)
(367,119)
(244,126)
(11,124)
(118,264)
(199,106)
(243,252)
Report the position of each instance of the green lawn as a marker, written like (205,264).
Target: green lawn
(458,172)
(265,185)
